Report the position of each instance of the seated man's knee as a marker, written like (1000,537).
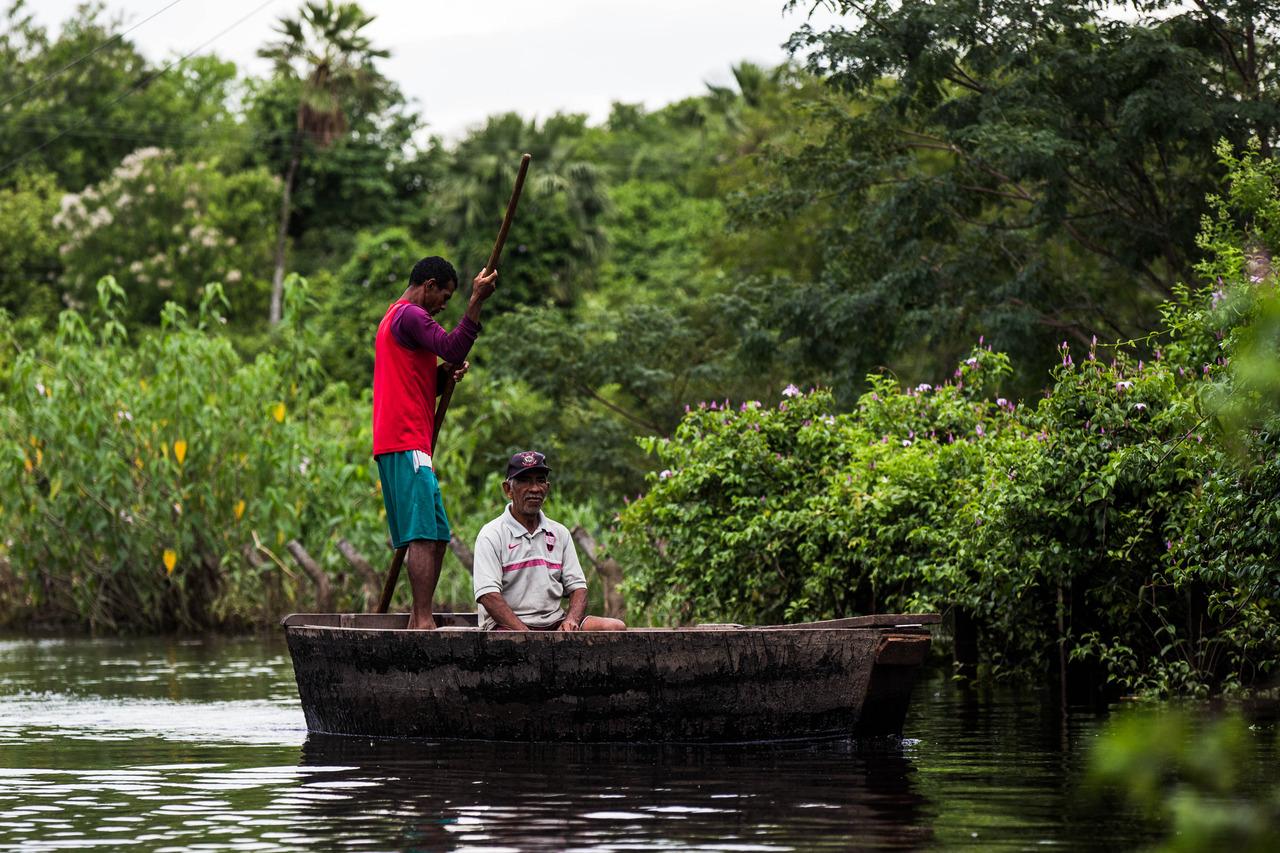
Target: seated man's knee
(603,623)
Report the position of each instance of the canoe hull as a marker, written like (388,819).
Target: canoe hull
(730,684)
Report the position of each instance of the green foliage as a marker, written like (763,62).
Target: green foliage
(1033,180)
(117,458)
(28,248)
(166,228)
(1115,520)
(77,104)
(1192,777)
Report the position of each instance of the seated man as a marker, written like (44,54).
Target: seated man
(525,563)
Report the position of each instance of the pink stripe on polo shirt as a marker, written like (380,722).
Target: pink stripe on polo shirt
(515,567)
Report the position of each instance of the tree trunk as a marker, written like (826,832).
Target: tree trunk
(372,583)
(282,233)
(608,569)
(324,594)
(463,553)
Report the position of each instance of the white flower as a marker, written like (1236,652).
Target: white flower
(665,473)
(791,391)
(922,387)
(233,276)
(304,465)
(40,389)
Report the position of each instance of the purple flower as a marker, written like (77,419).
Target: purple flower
(1001,402)
(980,431)
(791,391)
(1124,385)
(906,442)
(664,474)
(782,407)
(924,386)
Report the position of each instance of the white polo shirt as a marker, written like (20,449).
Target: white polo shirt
(532,571)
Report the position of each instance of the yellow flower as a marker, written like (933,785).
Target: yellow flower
(137,462)
(180,450)
(34,441)
(278,413)
(170,560)
(39,456)
(26,463)
(239,510)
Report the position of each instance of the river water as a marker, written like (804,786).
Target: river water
(172,745)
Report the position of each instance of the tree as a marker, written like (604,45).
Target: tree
(998,167)
(29,263)
(76,104)
(324,54)
(556,241)
(164,229)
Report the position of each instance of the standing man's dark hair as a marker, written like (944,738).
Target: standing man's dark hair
(406,381)
(433,267)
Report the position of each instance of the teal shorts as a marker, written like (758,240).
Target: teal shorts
(415,509)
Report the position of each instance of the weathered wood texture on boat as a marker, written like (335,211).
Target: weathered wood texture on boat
(726,684)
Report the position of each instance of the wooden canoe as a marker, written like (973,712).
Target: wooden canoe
(366,675)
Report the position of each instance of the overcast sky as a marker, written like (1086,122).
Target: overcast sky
(462,60)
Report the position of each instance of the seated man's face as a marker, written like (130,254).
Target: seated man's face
(527,492)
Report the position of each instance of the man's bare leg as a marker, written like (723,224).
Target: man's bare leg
(602,623)
(423,560)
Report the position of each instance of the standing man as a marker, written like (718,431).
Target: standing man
(406,381)
(525,563)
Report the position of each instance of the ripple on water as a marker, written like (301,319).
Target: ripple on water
(192,746)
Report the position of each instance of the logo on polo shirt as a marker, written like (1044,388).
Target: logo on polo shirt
(551,541)
(511,546)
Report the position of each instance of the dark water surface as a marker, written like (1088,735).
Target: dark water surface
(168,745)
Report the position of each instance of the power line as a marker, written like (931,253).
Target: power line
(76,62)
(138,85)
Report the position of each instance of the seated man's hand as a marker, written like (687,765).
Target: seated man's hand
(569,624)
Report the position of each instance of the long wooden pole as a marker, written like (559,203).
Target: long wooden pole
(446,393)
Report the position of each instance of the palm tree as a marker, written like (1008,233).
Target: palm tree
(322,50)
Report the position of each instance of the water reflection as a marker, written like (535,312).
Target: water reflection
(155,744)
(446,796)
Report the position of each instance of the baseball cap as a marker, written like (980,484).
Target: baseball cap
(526,460)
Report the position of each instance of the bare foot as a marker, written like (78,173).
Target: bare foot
(427,623)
